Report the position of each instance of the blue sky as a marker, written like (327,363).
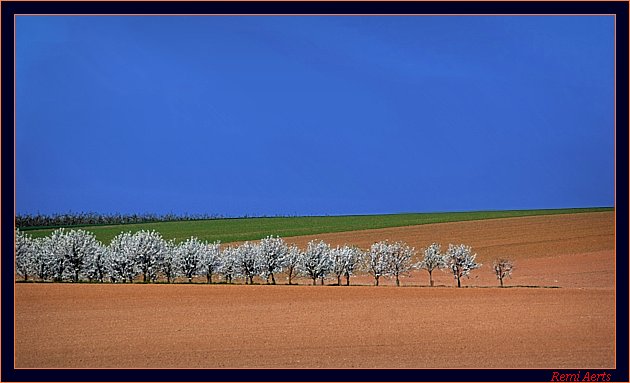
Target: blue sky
(313,115)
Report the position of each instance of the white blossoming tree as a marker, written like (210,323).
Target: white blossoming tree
(344,260)
(352,258)
(291,260)
(169,265)
(229,263)
(272,251)
(42,260)
(190,254)
(336,263)
(69,252)
(433,259)
(377,262)
(54,246)
(147,251)
(121,258)
(81,246)
(461,261)
(503,269)
(97,264)
(399,259)
(211,260)
(315,262)
(25,254)
(248,261)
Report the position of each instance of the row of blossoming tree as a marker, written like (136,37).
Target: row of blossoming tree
(76,255)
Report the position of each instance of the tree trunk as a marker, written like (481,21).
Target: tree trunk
(144,278)
(209,276)
(322,281)
(397,280)
(339,280)
(347,279)
(459,284)
(314,281)
(290,272)
(189,279)
(376,281)
(431,278)
(76,276)
(501,280)
(273,280)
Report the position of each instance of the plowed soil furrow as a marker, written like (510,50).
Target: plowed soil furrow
(220,326)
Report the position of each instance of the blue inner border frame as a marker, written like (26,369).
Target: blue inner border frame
(9,9)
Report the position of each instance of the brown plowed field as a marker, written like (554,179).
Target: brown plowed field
(222,326)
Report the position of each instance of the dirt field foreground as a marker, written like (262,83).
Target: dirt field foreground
(565,322)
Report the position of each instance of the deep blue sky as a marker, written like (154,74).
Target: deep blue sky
(313,115)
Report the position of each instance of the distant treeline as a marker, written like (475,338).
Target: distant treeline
(84,219)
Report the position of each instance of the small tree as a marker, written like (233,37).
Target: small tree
(316,261)
(189,254)
(82,246)
(55,248)
(169,263)
(291,260)
(229,262)
(25,253)
(352,257)
(433,259)
(503,268)
(343,262)
(147,250)
(377,260)
(461,261)
(97,264)
(399,256)
(121,258)
(43,260)
(211,260)
(248,261)
(272,251)
(336,263)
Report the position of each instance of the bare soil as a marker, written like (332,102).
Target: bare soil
(567,321)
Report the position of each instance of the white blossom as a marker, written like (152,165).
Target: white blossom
(211,260)
(148,250)
(25,254)
(229,267)
(315,262)
(248,261)
(461,261)
(272,252)
(399,260)
(169,265)
(121,258)
(344,261)
(433,259)
(42,260)
(377,260)
(97,263)
(190,255)
(291,261)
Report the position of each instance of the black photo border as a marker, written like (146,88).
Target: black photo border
(11,8)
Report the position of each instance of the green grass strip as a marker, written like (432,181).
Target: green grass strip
(242,229)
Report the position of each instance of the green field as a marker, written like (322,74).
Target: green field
(242,229)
